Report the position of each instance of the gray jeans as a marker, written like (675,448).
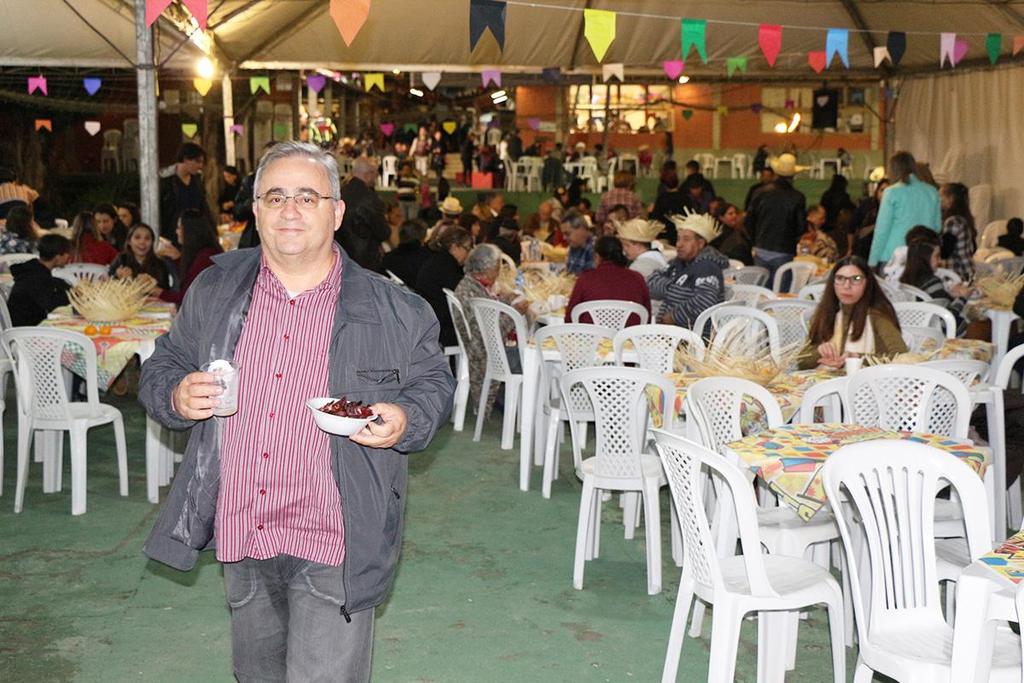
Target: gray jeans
(287,625)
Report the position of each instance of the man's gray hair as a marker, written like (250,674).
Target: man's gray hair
(483,258)
(294,148)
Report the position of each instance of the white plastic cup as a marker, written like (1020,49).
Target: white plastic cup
(853,365)
(226,374)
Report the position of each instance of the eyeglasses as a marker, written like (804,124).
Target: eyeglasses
(849,279)
(307,200)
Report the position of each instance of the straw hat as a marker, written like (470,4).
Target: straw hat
(785,165)
(639,230)
(581,145)
(451,206)
(704,225)
(877,174)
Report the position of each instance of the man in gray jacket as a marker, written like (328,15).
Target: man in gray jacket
(308,525)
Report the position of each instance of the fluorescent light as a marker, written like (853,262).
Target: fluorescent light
(501,99)
(396,71)
(500,93)
(416,91)
(780,127)
(205,68)
(684,79)
(794,123)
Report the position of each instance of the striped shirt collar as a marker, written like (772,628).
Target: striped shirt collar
(269,281)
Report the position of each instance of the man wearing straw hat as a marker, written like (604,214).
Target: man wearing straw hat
(693,281)
(451,209)
(637,237)
(776,217)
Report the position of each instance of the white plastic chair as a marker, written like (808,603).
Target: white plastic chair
(746,275)
(394,278)
(735,264)
(110,154)
(619,399)
(388,170)
(751,295)
(917,338)
(771,585)
(701,324)
(911,293)
(1001,382)
(889,488)
(800,272)
(460,322)
(812,291)
(740,165)
(923,314)
(8,260)
(948,277)
(761,328)
(488,317)
(45,405)
(611,313)
(789,314)
(656,345)
(578,346)
(707,164)
(73,272)
(826,396)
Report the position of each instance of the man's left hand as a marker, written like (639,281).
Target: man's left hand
(386,434)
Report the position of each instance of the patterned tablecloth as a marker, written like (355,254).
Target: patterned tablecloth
(1008,559)
(790,458)
(962,349)
(114,350)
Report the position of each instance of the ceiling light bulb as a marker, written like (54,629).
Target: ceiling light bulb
(416,91)
(781,127)
(794,123)
(204,67)
(684,79)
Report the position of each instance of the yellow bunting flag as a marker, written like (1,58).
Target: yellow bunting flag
(189,130)
(202,85)
(257,83)
(374,79)
(599,29)
(449,127)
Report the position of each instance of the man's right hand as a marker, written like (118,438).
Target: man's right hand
(196,396)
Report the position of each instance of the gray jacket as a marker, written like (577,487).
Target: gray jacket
(384,348)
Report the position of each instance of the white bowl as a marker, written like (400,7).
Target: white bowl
(335,424)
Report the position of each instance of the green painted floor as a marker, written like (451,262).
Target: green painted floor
(483,591)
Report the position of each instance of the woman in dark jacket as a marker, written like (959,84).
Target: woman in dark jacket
(443,270)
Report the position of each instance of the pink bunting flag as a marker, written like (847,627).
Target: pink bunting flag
(37,83)
(44,123)
(387,129)
(316,82)
(960,48)
(533,122)
(198,9)
(790,104)
(238,129)
(349,16)
(490,76)
(673,68)
(1018,44)
(769,38)
(817,60)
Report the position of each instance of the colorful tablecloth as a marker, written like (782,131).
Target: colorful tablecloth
(1008,559)
(961,349)
(113,350)
(790,458)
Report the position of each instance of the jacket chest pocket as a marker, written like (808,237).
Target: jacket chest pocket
(376,380)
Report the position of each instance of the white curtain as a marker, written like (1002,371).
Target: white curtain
(970,128)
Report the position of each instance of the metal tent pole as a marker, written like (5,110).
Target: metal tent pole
(149,181)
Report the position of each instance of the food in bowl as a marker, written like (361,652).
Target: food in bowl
(340,416)
(345,408)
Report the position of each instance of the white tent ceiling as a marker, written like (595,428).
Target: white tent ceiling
(434,34)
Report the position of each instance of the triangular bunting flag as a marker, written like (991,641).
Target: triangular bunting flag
(37,83)
(431,79)
(732,64)
(92,85)
(92,127)
(769,38)
(349,16)
(837,41)
(881,54)
(994,45)
(533,122)
(282,131)
(410,128)
(257,83)
(756,107)
(44,123)
(373,80)
(817,61)
(694,34)
(449,127)
(238,129)
(673,68)
(789,104)
(946,43)
(189,129)
(960,48)
(490,76)
(687,114)
(202,85)
(897,44)
(387,129)
(599,30)
(316,82)
(1018,44)
(487,14)
(551,74)
(198,8)
(608,71)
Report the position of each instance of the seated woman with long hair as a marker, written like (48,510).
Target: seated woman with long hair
(88,246)
(139,258)
(199,244)
(854,318)
(923,257)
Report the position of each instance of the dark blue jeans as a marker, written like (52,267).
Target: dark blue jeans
(773,261)
(287,625)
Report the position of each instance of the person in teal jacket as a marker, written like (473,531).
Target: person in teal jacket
(905,203)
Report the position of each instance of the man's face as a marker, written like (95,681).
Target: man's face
(291,231)
(578,237)
(497,202)
(193,166)
(688,245)
(230,178)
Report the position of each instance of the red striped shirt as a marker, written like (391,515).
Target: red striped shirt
(277,490)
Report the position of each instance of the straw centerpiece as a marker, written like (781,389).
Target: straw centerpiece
(110,300)
(738,350)
(1000,289)
(540,284)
